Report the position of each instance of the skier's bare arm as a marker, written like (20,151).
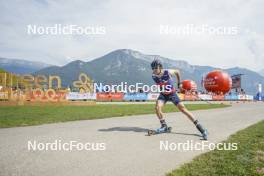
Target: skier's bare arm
(176,72)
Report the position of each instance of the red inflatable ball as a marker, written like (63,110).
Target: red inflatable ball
(218,82)
(188,86)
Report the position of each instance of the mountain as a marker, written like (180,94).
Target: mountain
(261,72)
(120,65)
(130,66)
(18,66)
(250,79)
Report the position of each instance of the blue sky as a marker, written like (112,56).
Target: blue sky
(135,25)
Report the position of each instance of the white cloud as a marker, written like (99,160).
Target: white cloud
(135,24)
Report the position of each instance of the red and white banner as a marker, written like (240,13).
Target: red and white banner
(80,96)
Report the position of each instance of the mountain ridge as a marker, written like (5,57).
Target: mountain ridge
(20,66)
(133,66)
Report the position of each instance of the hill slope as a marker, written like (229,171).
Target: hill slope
(132,67)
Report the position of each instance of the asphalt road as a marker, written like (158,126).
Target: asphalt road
(128,151)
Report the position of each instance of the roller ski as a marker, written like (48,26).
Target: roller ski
(164,129)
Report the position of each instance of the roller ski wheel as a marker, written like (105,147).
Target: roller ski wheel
(159,131)
(151,132)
